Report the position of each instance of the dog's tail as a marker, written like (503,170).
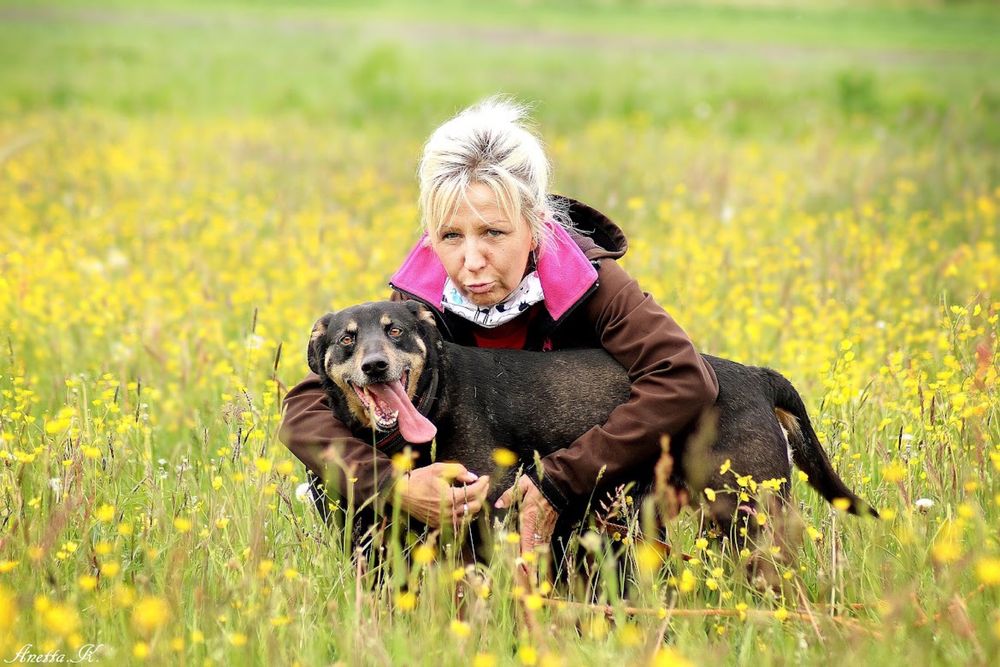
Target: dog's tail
(807,452)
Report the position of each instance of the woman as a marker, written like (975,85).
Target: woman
(504,264)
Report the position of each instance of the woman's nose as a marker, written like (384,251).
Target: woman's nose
(475,258)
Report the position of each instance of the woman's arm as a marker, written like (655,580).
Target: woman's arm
(312,432)
(671,386)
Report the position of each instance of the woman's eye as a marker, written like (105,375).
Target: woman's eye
(449,236)
(496,233)
(395,332)
(346,340)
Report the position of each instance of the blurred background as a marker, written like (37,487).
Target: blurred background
(186,186)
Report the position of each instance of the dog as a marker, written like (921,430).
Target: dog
(377,359)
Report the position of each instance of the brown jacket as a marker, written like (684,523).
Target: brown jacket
(671,385)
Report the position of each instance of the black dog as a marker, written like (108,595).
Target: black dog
(376,358)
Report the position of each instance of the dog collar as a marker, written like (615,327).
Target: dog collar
(392,441)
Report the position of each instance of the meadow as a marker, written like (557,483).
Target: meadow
(186,188)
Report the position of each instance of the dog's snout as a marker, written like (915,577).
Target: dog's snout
(375,364)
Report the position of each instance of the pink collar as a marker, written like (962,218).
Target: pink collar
(564,271)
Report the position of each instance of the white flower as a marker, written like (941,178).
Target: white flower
(56,485)
(924,504)
(302,492)
(906,437)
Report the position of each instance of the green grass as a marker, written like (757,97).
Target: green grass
(185,188)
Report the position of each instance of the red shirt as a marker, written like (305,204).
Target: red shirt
(511,335)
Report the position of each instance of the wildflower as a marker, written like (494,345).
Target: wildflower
(503,457)
(291,574)
(140,650)
(841,504)
(688,581)
(923,504)
(87,582)
(484,660)
(303,493)
(669,657)
(460,629)
(110,569)
(182,525)
(781,614)
(8,565)
(527,655)
(60,619)
(988,571)
(894,472)
(533,602)
(406,601)
(947,546)
(423,554)
(105,513)
(150,613)
(238,639)
(724,468)
(710,494)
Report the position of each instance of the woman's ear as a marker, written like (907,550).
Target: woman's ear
(318,344)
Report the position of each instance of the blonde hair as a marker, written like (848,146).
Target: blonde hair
(490,143)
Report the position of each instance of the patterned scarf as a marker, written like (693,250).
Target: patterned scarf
(525,295)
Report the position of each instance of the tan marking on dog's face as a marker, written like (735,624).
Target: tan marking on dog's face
(385,320)
(352,327)
(339,374)
(416,363)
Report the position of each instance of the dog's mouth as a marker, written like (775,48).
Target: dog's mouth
(389,406)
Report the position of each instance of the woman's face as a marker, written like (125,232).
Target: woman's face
(484,253)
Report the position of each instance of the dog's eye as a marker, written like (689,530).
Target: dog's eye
(395,332)
(347,339)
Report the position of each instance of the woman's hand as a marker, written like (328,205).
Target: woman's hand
(427,493)
(536,519)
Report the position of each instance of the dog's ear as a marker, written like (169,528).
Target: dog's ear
(317,344)
(422,312)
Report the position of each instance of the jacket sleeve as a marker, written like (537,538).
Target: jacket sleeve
(325,445)
(671,386)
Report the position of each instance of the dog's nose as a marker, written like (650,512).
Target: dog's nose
(374,364)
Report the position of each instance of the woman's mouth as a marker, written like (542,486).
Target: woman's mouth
(479,288)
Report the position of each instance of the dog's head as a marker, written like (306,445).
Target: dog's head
(374,355)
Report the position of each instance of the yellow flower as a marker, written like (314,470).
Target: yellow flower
(423,554)
(841,504)
(87,582)
(264,568)
(527,655)
(947,546)
(60,619)
(781,614)
(182,525)
(533,601)
(238,639)
(724,468)
(894,472)
(503,457)
(8,565)
(149,614)
(669,657)
(406,601)
(710,494)
(688,582)
(140,650)
(484,660)
(988,571)
(217,482)
(291,574)
(105,513)
(460,629)
(262,465)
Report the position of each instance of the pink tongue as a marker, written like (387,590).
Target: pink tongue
(414,426)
